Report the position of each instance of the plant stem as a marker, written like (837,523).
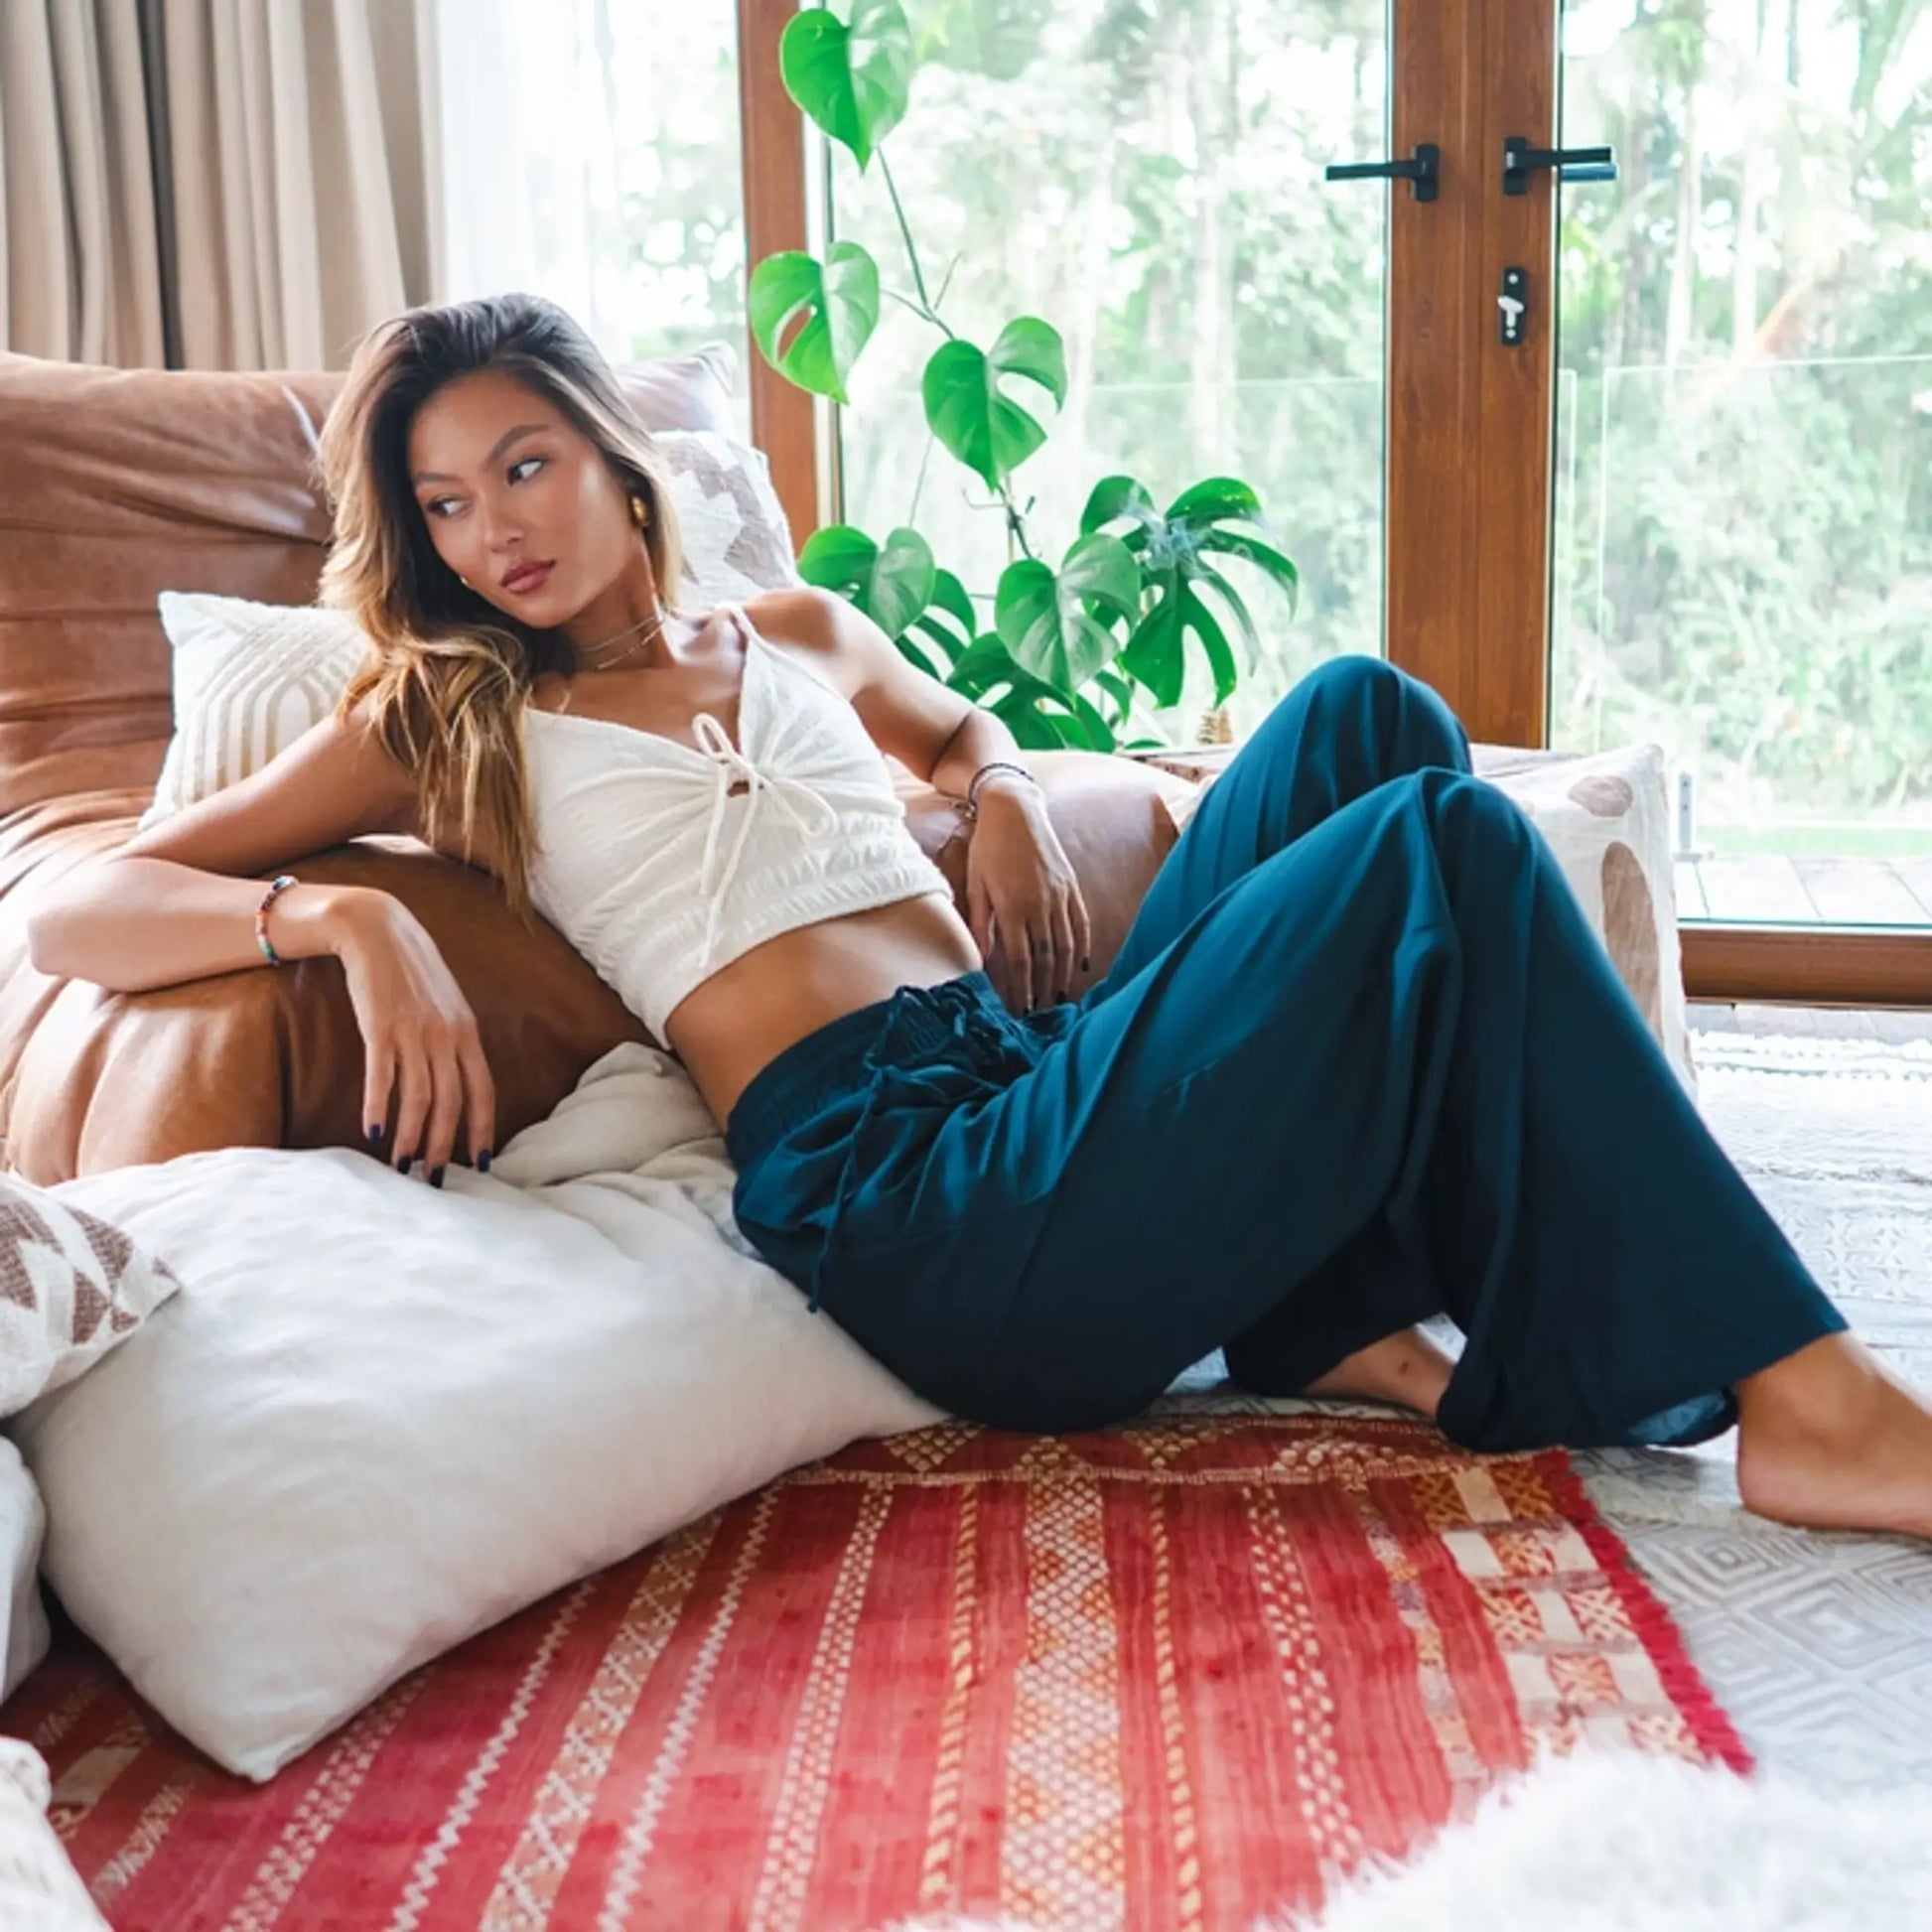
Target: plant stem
(917,308)
(918,486)
(905,235)
(1016,524)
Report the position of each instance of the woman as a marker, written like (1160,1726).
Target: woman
(1360,1061)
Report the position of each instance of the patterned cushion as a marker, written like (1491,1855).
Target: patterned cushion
(251,678)
(1606,818)
(71,1288)
(736,538)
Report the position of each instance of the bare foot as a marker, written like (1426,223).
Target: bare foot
(1406,1368)
(1829,1437)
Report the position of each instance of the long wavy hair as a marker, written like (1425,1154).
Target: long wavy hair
(448,673)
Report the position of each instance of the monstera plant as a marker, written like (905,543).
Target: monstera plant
(1055,649)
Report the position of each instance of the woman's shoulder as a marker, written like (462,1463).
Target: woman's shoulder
(812,626)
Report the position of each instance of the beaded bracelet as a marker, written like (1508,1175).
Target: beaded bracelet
(276,886)
(970,808)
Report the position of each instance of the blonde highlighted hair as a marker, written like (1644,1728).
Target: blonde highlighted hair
(448,673)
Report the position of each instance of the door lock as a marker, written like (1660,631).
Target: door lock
(1513,304)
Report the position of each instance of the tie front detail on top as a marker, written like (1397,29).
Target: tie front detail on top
(662,862)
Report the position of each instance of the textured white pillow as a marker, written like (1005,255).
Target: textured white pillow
(71,1287)
(380,1416)
(40,1890)
(23,1634)
(251,678)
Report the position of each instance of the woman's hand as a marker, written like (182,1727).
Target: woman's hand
(1023,902)
(423,1049)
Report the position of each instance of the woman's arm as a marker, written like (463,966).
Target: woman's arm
(178,902)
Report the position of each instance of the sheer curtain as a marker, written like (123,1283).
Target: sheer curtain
(590,153)
(529,150)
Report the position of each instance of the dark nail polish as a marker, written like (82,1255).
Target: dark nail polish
(1086,965)
(403,1166)
(374,1133)
(1061,995)
(482,1161)
(436,1176)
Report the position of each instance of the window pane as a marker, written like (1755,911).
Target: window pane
(591,150)
(1148,178)
(1744,441)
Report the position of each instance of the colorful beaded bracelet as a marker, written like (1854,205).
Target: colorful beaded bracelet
(276,886)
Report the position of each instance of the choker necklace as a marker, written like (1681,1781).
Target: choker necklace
(586,661)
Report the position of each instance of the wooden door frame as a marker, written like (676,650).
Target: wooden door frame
(786,422)
(1470,432)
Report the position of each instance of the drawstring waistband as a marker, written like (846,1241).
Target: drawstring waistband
(834,1059)
(943,1044)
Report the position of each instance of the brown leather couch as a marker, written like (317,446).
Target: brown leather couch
(117,485)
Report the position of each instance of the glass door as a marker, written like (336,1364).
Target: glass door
(1742,550)
(1149,180)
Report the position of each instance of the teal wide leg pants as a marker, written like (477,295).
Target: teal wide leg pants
(1361,1061)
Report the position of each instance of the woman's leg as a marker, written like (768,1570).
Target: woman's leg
(1352,724)
(1399,1029)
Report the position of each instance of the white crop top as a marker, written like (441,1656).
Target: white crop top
(660,874)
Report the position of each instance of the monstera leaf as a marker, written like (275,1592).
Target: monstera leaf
(964,406)
(1040,717)
(838,299)
(1178,551)
(1053,623)
(851,80)
(892,583)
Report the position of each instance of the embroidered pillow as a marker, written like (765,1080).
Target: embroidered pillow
(251,678)
(71,1288)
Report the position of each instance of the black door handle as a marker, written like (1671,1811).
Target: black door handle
(1520,160)
(1421,170)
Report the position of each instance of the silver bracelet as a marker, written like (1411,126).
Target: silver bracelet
(970,808)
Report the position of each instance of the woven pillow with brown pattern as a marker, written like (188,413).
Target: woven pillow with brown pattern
(71,1288)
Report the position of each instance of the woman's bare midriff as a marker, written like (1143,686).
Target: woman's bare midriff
(730,1028)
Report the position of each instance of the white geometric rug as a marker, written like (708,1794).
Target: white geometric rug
(1819,1646)
(1618,1842)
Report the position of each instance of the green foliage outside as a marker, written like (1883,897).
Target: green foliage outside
(1065,646)
(1743,512)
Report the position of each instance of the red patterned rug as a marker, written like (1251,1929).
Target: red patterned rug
(1168,1677)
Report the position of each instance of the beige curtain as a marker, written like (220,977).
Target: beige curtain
(214,184)
(80,257)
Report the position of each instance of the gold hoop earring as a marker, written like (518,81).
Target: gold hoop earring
(639,511)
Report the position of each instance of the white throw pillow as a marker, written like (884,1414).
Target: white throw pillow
(251,678)
(40,1890)
(71,1287)
(380,1416)
(24,1635)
